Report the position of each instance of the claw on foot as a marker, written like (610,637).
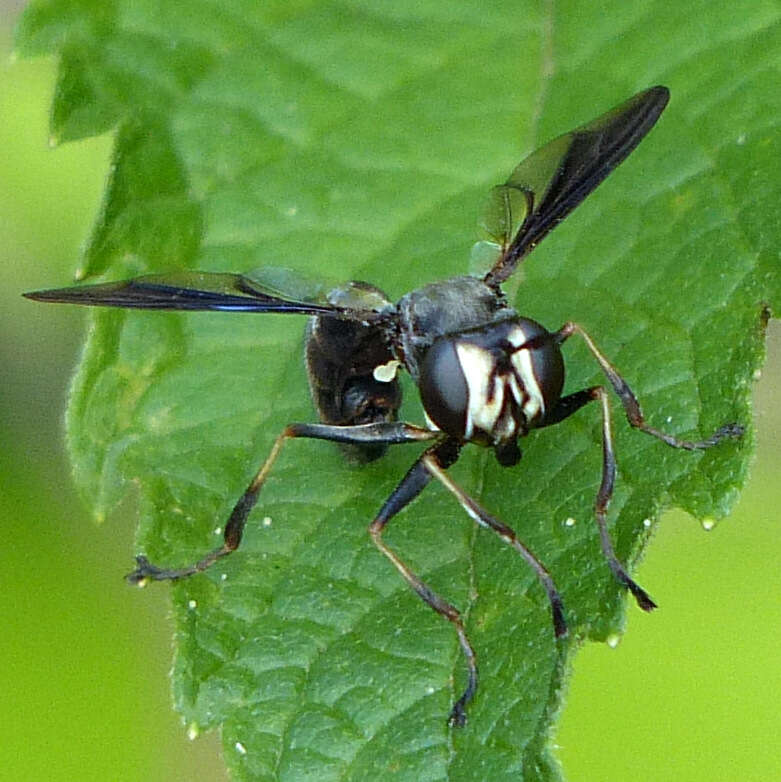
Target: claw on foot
(457,716)
(144,571)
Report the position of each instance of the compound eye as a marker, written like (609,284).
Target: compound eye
(443,387)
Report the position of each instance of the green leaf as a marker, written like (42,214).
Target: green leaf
(358,141)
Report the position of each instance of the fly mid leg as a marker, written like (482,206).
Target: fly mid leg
(381,433)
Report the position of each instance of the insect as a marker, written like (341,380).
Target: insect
(485,374)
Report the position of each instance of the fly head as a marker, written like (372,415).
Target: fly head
(491,385)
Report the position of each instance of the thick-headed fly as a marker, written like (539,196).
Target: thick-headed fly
(485,374)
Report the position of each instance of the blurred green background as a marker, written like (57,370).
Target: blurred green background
(84,659)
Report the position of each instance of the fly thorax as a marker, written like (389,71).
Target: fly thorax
(442,309)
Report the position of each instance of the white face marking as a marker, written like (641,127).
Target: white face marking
(517,336)
(535,403)
(487,416)
(476,365)
(385,373)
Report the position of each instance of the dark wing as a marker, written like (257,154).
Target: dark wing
(192,290)
(546,186)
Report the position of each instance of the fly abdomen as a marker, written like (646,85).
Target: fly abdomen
(341,359)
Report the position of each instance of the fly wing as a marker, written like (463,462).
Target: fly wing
(192,290)
(546,186)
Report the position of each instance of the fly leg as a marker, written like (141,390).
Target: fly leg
(565,408)
(417,478)
(634,414)
(433,463)
(388,433)
(508,536)
(632,407)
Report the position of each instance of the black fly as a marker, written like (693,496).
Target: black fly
(485,374)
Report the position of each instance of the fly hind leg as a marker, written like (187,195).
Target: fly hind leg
(379,433)
(634,414)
